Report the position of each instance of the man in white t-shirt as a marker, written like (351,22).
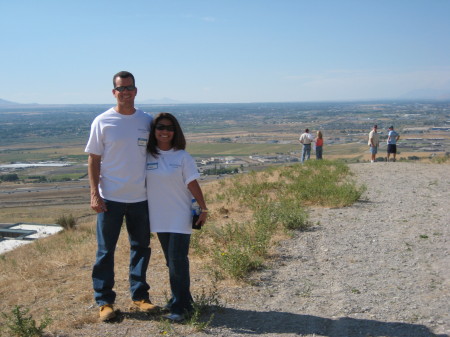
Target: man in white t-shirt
(374,142)
(306,139)
(116,165)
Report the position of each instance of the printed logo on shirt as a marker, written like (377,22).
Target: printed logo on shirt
(152,166)
(142,141)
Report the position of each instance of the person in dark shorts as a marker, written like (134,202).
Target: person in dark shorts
(393,137)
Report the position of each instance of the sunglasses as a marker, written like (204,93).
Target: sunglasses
(128,87)
(162,127)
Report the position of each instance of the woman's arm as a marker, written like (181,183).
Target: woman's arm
(197,193)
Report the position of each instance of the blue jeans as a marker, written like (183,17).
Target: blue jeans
(318,152)
(306,152)
(176,248)
(108,231)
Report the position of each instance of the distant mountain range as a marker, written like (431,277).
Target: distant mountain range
(428,94)
(5,102)
(163,100)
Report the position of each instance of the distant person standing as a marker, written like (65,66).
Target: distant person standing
(116,166)
(392,139)
(319,145)
(306,139)
(374,142)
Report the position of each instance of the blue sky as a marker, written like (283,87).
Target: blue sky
(55,52)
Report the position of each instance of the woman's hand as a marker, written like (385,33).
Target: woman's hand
(202,218)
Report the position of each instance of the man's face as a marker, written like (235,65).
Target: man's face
(126,96)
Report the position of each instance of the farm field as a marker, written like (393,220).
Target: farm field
(58,134)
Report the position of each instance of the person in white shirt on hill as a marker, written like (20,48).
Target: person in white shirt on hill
(306,139)
(171,185)
(116,166)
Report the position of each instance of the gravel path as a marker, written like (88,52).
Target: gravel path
(377,268)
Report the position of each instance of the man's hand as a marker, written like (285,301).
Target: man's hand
(97,203)
(94,163)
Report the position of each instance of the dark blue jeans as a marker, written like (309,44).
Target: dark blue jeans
(108,231)
(318,152)
(306,152)
(176,248)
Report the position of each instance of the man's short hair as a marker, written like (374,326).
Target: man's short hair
(375,126)
(306,130)
(123,74)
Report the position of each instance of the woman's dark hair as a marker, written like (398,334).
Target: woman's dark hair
(178,140)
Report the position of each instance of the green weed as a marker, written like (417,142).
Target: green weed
(20,324)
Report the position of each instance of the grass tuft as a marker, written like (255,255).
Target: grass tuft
(66,221)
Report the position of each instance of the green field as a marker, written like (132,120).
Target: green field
(234,149)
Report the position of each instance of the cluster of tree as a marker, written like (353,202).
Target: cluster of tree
(221,170)
(40,179)
(9,177)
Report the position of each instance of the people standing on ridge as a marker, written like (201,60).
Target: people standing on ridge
(116,167)
(171,186)
(306,139)
(392,139)
(319,145)
(374,142)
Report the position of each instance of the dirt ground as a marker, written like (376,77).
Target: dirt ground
(377,268)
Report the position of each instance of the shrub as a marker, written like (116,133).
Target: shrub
(440,159)
(9,177)
(20,324)
(66,221)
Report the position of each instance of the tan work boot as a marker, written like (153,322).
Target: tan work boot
(145,306)
(107,312)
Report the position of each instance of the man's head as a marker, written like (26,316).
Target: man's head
(306,130)
(375,127)
(123,74)
(124,89)
(391,128)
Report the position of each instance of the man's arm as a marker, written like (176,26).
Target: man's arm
(97,203)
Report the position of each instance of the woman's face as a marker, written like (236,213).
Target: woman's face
(164,132)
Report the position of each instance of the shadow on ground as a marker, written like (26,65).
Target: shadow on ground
(265,322)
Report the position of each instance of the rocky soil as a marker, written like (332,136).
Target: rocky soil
(378,268)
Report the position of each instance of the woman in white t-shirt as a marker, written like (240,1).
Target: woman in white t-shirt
(171,185)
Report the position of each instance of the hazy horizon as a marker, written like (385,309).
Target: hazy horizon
(7,104)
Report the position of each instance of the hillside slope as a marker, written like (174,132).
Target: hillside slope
(377,268)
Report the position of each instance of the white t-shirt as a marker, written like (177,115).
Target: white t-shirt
(306,138)
(121,140)
(169,199)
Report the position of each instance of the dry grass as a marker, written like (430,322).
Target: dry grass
(54,273)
